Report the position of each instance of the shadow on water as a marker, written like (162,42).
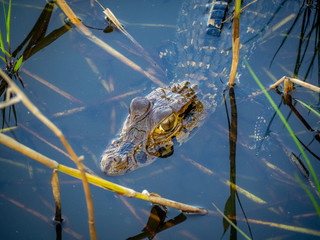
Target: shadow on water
(156,223)
(230,206)
(309,21)
(36,40)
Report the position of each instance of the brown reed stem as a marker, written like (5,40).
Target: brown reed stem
(56,194)
(235,43)
(85,31)
(13,144)
(36,112)
(288,80)
(97,181)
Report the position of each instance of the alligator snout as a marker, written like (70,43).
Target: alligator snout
(154,121)
(114,164)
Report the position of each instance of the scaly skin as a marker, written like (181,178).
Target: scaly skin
(154,123)
(170,114)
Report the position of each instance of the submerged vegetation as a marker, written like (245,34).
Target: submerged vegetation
(297,142)
(238,199)
(12,64)
(35,41)
(308,18)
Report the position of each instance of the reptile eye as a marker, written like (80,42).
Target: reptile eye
(168,124)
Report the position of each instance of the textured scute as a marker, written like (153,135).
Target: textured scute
(197,60)
(144,135)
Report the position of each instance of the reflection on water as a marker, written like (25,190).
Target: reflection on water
(87,94)
(157,223)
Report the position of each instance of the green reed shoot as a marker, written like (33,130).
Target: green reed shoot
(7,20)
(231,223)
(305,188)
(7,53)
(286,125)
(309,107)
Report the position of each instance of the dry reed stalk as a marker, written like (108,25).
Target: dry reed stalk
(43,218)
(44,140)
(235,43)
(288,82)
(52,87)
(128,192)
(56,194)
(237,188)
(85,31)
(97,181)
(36,112)
(13,144)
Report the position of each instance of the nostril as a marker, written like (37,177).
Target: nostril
(117,159)
(106,160)
(114,164)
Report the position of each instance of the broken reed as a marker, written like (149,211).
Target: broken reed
(20,96)
(90,36)
(97,181)
(293,136)
(6,140)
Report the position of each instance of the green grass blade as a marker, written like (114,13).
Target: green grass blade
(310,108)
(304,187)
(286,125)
(4,11)
(231,223)
(2,47)
(8,22)
(2,58)
(18,64)
(1,43)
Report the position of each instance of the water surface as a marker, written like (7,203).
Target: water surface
(26,200)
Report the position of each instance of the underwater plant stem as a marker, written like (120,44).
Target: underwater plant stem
(235,43)
(231,203)
(286,125)
(304,187)
(308,107)
(97,181)
(56,194)
(36,112)
(85,31)
(13,144)
(230,222)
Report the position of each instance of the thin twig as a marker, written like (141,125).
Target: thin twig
(97,181)
(242,9)
(51,86)
(13,144)
(85,31)
(36,112)
(296,81)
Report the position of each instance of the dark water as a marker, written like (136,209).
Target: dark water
(26,201)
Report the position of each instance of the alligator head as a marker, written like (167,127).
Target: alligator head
(155,122)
